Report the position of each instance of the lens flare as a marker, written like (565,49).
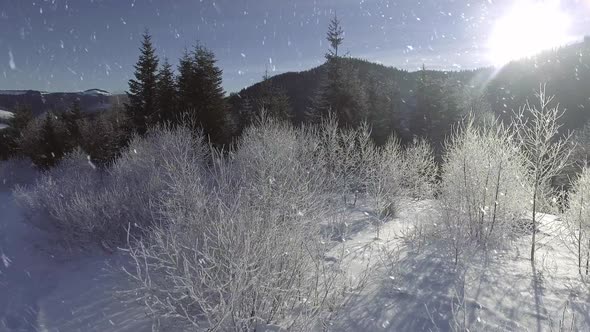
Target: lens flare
(528,28)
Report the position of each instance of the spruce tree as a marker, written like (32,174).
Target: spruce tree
(341,91)
(208,94)
(71,119)
(185,83)
(142,89)
(51,143)
(166,100)
(335,36)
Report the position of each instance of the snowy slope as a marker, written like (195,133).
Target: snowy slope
(421,290)
(43,288)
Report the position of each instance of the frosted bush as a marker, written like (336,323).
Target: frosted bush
(577,217)
(419,170)
(241,247)
(484,187)
(86,205)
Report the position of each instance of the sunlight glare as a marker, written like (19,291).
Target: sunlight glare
(527,29)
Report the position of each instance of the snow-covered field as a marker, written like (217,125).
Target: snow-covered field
(44,288)
(423,291)
(399,287)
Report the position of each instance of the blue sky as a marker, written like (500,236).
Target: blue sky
(70,45)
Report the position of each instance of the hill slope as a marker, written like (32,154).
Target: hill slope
(566,72)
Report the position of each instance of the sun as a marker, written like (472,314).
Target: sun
(528,28)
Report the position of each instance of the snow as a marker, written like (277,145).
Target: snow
(5,115)
(96,92)
(13,92)
(44,288)
(394,286)
(3,126)
(422,290)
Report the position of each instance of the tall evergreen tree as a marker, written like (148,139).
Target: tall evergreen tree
(341,91)
(335,36)
(51,145)
(209,95)
(71,118)
(185,82)
(166,93)
(142,89)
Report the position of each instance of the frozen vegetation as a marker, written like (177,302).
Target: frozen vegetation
(310,228)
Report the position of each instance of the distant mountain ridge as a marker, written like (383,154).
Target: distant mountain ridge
(93,100)
(566,71)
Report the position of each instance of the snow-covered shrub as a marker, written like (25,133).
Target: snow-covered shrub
(577,217)
(241,247)
(282,168)
(419,170)
(484,187)
(87,205)
(384,177)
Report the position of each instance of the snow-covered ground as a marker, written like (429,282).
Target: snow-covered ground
(421,289)
(43,288)
(3,126)
(394,287)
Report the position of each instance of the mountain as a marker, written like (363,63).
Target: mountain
(398,84)
(93,100)
(566,71)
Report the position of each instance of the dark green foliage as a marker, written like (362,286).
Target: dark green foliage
(273,100)
(104,136)
(201,93)
(45,141)
(10,137)
(437,109)
(383,105)
(71,119)
(341,91)
(166,92)
(143,88)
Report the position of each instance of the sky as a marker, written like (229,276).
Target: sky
(74,45)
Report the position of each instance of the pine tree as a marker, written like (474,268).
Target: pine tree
(185,83)
(209,97)
(51,143)
(245,114)
(142,89)
(335,36)
(341,91)
(166,100)
(71,119)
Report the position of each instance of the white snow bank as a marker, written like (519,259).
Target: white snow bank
(96,92)
(3,126)
(5,115)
